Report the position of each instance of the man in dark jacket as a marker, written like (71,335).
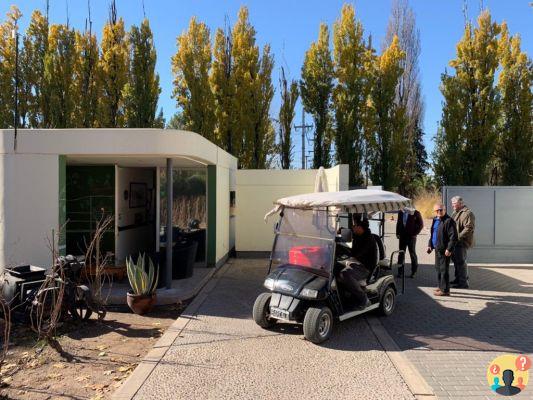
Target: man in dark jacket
(364,260)
(408,227)
(442,239)
(465,221)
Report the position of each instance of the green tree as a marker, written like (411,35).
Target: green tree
(252,131)
(467,138)
(223,89)
(515,149)
(316,89)
(402,23)
(7,67)
(114,71)
(190,66)
(289,97)
(87,80)
(388,119)
(141,93)
(351,60)
(59,65)
(35,49)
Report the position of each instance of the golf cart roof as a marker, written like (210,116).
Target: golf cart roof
(353,201)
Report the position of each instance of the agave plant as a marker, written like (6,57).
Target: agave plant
(141,282)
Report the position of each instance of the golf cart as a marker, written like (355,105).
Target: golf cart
(306,255)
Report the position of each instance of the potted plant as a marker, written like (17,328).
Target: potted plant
(142,296)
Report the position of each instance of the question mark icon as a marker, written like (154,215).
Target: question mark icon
(523,363)
(495,369)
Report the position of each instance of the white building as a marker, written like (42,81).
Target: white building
(119,171)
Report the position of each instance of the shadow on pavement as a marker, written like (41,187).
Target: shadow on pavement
(481,318)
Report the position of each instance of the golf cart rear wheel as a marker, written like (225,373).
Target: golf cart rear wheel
(388,301)
(318,324)
(261,311)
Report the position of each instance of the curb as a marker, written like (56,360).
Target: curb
(414,380)
(131,386)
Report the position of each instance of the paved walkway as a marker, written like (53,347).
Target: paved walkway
(221,353)
(452,340)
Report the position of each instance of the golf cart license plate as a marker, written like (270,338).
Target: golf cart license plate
(277,313)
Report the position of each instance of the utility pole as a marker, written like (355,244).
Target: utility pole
(16,119)
(304,129)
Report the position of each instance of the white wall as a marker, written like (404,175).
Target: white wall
(258,189)
(29,208)
(139,238)
(223,218)
(504,222)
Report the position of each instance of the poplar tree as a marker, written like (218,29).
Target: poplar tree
(35,49)
(87,79)
(59,65)
(468,129)
(114,71)
(190,66)
(515,148)
(7,67)
(253,92)
(316,89)
(388,121)
(223,89)
(289,97)
(351,61)
(402,23)
(142,90)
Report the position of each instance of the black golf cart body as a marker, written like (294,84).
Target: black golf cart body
(302,284)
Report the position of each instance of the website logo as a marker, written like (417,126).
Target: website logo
(508,375)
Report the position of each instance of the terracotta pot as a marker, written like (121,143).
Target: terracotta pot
(141,304)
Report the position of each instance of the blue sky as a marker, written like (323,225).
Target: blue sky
(290,27)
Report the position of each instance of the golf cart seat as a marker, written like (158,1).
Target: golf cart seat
(383,262)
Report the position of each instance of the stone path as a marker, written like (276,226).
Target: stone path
(222,354)
(451,340)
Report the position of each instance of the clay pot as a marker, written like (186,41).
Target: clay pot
(141,304)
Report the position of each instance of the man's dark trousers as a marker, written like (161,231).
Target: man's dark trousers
(442,264)
(459,262)
(409,242)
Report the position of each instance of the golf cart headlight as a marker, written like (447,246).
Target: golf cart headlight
(311,293)
(269,283)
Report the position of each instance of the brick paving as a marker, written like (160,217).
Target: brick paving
(451,340)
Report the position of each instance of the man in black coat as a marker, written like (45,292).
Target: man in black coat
(364,257)
(442,239)
(408,227)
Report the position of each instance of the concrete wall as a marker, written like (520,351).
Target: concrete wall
(29,208)
(504,222)
(258,189)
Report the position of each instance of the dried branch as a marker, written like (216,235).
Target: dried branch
(96,262)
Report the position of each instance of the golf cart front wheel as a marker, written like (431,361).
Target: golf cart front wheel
(318,324)
(388,301)
(261,311)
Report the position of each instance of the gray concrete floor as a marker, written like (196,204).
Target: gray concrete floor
(452,340)
(223,354)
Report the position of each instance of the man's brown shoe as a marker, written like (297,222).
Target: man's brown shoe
(439,292)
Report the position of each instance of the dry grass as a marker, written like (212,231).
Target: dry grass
(186,208)
(424,202)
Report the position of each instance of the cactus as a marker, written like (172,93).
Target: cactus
(141,282)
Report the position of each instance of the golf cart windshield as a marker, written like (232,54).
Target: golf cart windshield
(305,239)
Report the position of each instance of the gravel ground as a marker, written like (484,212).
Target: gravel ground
(222,354)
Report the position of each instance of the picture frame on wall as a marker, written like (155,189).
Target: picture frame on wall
(138,194)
